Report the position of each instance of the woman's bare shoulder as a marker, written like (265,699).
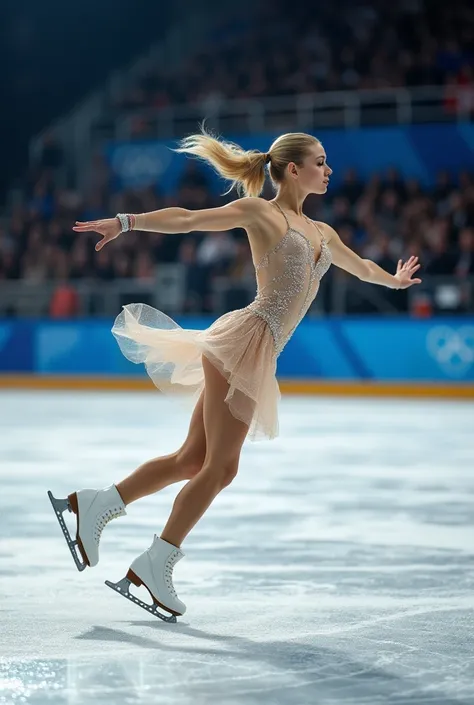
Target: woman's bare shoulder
(256,206)
(255,213)
(327,230)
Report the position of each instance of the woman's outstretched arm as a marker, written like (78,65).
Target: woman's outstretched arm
(237,214)
(365,269)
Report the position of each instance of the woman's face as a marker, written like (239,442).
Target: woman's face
(313,175)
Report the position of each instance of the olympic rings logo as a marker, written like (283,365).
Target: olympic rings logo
(452,348)
(140,162)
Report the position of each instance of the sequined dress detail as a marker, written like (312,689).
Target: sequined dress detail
(243,345)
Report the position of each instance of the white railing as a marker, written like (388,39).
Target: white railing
(339,294)
(166,290)
(346,109)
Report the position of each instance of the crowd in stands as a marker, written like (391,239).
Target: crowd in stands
(384,219)
(295,48)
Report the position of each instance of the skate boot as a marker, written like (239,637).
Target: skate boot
(154,570)
(93,509)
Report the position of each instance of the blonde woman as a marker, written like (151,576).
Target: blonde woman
(230,367)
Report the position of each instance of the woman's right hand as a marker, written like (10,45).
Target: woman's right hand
(110,228)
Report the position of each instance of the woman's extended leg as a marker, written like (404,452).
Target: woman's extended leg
(184,464)
(224,439)
(95,508)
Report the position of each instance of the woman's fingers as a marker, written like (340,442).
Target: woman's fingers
(408,269)
(99,228)
(101,243)
(412,265)
(87,226)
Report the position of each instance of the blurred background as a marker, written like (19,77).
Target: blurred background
(91,110)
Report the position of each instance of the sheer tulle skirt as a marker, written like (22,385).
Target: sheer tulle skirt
(239,344)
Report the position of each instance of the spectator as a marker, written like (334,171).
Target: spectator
(441,261)
(464,259)
(65,299)
(352,188)
(196,284)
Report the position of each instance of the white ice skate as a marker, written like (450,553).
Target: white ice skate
(93,509)
(154,570)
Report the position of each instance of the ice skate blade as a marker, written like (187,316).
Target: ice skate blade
(123,588)
(60,506)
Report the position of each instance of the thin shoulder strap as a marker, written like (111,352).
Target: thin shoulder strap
(274,203)
(310,220)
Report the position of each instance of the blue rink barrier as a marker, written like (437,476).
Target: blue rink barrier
(439,350)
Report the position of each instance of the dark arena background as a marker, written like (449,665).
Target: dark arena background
(337,569)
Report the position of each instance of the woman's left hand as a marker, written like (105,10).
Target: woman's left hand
(406,271)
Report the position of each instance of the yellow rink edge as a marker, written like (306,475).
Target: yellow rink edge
(288,386)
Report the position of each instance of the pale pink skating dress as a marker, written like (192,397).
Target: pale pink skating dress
(243,345)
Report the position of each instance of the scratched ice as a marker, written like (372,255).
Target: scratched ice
(338,568)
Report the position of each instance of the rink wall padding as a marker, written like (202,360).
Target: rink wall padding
(287,386)
(376,356)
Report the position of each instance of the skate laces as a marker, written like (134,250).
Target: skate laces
(104,519)
(168,572)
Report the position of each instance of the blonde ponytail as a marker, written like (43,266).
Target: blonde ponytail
(245,169)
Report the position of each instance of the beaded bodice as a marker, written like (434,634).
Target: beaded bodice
(288,278)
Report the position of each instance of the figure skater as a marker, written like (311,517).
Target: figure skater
(229,368)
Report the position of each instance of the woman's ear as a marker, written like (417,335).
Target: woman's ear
(292,169)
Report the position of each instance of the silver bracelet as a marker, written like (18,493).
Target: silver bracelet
(127,222)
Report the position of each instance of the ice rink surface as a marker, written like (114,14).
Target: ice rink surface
(338,568)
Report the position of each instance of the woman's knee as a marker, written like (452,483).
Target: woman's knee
(224,472)
(190,460)
(229,474)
